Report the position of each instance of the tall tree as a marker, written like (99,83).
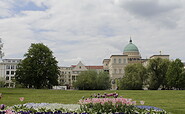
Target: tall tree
(157,69)
(176,75)
(38,69)
(135,77)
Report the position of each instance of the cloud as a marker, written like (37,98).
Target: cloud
(154,11)
(90,31)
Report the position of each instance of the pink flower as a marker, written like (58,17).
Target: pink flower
(133,102)
(21,99)
(142,102)
(9,112)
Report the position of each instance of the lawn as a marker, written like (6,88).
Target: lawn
(171,101)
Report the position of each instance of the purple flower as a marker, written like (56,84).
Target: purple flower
(2,106)
(83,97)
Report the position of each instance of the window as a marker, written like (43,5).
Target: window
(120,71)
(61,80)
(80,67)
(7,66)
(7,72)
(124,60)
(73,77)
(12,72)
(12,67)
(115,71)
(11,84)
(114,60)
(119,60)
(13,77)
(7,77)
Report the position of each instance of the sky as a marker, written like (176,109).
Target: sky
(93,30)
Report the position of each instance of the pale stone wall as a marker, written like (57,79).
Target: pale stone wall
(7,71)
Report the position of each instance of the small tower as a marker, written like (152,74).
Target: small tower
(1,52)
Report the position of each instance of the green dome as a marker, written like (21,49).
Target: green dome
(131,47)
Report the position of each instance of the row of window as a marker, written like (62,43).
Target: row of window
(10,78)
(11,66)
(118,71)
(120,60)
(10,72)
(12,61)
(73,77)
(133,59)
(74,72)
(65,72)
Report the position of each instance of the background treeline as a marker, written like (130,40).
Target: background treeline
(91,80)
(156,73)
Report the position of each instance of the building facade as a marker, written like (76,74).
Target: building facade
(116,64)
(68,75)
(7,71)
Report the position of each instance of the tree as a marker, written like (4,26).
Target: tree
(38,69)
(91,80)
(2,82)
(157,69)
(103,81)
(176,75)
(135,77)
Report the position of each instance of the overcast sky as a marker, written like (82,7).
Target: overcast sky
(92,30)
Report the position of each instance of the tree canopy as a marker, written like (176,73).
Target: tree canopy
(176,75)
(135,77)
(38,69)
(157,69)
(91,80)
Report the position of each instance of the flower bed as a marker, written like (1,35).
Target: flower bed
(95,104)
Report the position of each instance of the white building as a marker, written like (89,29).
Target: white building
(7,71)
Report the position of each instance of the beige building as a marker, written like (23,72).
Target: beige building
(160,56)
(69,74)
(116,64)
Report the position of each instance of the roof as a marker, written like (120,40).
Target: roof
(119,55)
(90,67)
(94,67)
(159,56)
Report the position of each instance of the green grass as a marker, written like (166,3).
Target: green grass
(171,101)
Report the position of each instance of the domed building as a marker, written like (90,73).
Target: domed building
(133,52)
(116,64)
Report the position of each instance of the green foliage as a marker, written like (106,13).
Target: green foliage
(103,81)
(157,69)
(39,68)
(176,75)
(91,80)
(2,82)
(135,77)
